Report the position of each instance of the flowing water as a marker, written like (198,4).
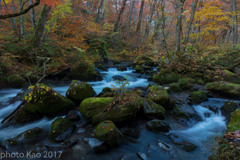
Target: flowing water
(201,134)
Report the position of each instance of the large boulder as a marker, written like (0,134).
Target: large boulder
(107,92)
(153,110)
(225,89)
(107,131)
(85,72)
(61,129)
(159,95)
(165,77)
(78,91)
(30,136)
(42,101)
(16,81)
(186,83)
(158,125)
(184,144)
(121,108)
(234,123)
(198,96)
(228,108)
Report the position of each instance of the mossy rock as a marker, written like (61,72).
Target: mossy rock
(174,87)
(122,110)
(61,129)
(198,96)
(119,110)
(158,125)
(165,77)
(16,81)
(42,101)
(230,77)
(229,106)
(139,69)
(186,83)
(234,123)
(107,92)
(101,66)
(107,131)
(153,110)
(225,89)
(78,91)
(159,95)
(144,60)
(85,72)
(93,106)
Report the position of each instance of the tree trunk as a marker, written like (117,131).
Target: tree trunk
(38,32)
(131,14)
(194,6)
(163,2)
(179,25)
(138,30)
(33,16)
(97,20)
(235,25)
(116,25)
(21,20)
(152,8)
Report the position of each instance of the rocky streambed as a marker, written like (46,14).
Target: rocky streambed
(145,121)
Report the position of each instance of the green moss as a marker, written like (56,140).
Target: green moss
(92,106)
(153,110)
(185,83)
(109,133)
(12,142)
(198,96)
(84,71)
(78,91)
(229,106)
(42,100)
(31,133)
(59,126)
(175,87)
(16,81)
(139,69)
(225,89)
(159,95)
(165,77)
(234,123)
(231,77)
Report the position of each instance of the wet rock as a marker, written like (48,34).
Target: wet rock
(153,110)
(73,115)
(158,125)
(12,142)
(184,144)
(118,78)
(31,136)
(159,95)
(165,146)
(96,144)
(81,130)
(78,91)
(107,131)
(142,156)
(198,96)
(101,66)
(131,132)
(186,83)
(16,81)
(119,111)
(225,89)
(42,101)
(165,77)
(69,143)
(122,68)
(174,87)
(185,115)
(228,108)
(139,69)
(61,129)
(107,92)
(234,123)
(84,72)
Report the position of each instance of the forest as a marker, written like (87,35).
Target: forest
(120,79)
